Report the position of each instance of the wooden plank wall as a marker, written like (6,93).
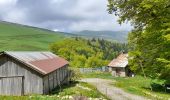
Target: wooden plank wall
(11,86)
(54,79)
(33,83)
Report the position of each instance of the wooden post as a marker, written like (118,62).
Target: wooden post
(23,78)
(49,85)
(106,91)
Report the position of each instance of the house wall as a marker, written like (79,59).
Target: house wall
(121,73)
(55,79)
(110,68)
(113,72)
(32,81)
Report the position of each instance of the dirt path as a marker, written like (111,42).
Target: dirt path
(114,93)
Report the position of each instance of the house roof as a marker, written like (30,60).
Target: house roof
(42,62)
(120,61)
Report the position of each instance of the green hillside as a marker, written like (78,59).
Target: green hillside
(16,37)
(19,37)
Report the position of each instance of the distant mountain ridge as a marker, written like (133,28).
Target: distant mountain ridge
(119,36)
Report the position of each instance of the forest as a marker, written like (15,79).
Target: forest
(88,52)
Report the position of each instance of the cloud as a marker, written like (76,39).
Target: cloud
(7,2)
(63,15)
(6,5)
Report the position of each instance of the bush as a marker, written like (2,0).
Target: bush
(158,85)
(74,74)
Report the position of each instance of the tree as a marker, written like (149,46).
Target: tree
(149,41)
(78,61)
(85,53)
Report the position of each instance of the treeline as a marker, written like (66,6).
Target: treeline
(88,52)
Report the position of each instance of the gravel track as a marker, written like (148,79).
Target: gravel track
(112,92)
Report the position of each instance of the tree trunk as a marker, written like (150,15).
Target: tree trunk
(144,72)
(142,69)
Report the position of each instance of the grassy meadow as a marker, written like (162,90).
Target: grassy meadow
(18,37)
(136,85)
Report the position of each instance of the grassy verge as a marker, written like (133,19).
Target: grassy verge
(136,85)
(103,75)
(140,86)
(66,92)
(33,97)
(79,89)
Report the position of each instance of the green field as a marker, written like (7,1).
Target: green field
(15,37)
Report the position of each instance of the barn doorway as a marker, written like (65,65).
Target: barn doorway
(118,71)
(13,85)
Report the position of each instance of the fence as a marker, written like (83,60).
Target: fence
(87,70)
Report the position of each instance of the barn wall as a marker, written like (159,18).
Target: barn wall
(33,83)
(55,79)
(11,86)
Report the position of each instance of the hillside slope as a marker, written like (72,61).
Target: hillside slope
(19,37)
(119,36)
(16,37)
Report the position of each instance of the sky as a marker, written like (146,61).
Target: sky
(61,15)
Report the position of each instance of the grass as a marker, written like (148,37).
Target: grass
(140,86)
(79,89)
(136,85)
(35,97)
(103,75)
(15,37)
(66,92)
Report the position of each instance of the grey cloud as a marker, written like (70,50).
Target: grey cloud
(64,15)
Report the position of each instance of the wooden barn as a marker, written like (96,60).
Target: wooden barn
(119,66)
(24,73)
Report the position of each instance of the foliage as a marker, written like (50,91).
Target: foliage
(87,53)
(149,42)
(75,74)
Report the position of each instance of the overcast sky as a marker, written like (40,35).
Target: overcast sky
(61,15)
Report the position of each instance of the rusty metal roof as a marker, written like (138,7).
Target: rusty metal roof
(42,62)
(120,61)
